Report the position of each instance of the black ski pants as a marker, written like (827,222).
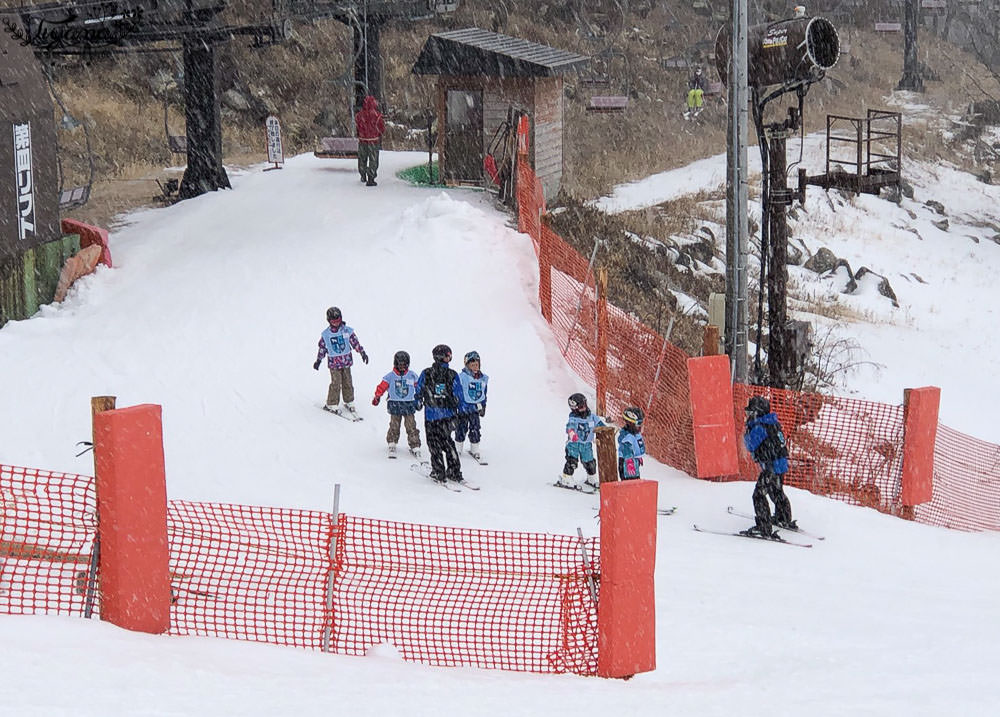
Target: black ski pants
(442,449)
(770,485)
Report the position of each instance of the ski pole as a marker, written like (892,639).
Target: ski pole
(587,566)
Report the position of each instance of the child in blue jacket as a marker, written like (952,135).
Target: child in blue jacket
(765,440)
(631,447)
(471,405)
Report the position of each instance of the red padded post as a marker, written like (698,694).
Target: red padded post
(920,419)
(713,423)
(626,609)
(132,505)
(89,235)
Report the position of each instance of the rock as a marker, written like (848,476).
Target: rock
(235,101)
(973,237)
(996,238)
(936,206)
(907,188)
(884,287)
(794,255)
(941,224)
(986,177)
(822,261)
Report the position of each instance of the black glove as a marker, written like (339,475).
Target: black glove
(420,405)
(482,411)
(316,365)
(364,357)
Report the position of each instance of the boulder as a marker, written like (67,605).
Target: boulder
(235,101)
(941,224)
(822,261)
(936,206)
(884,287)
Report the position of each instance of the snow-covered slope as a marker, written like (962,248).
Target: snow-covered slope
(214,310)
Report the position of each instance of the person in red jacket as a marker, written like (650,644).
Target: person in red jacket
(371,126)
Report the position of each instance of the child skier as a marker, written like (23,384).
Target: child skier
(764,438)
(471,405)
(631,447)
(403,402)
(336,343)
(580,444)
(438,388)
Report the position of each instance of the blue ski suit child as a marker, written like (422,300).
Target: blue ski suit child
(765,440)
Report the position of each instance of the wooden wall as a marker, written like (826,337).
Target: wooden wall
(540,97)
(548,134)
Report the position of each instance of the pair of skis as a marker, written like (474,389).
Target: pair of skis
(455,486)
(353,417)
(776,539)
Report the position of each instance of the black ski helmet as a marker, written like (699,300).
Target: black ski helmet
(577,402)
(401,360)
(333,313)
(442,352)
(758,406)
(471,356)
(634,416)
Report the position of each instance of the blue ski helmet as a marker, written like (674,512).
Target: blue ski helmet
(471,356)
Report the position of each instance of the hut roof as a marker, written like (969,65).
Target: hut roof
(474,51)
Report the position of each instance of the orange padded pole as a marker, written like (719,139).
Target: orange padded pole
(715,437)
(626,609)
(132,505)
(920,419)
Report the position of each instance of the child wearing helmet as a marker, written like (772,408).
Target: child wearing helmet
(765,440)
(403,402)
(580,429)
(439,388)
(336,343)
(631,447)
(471,405)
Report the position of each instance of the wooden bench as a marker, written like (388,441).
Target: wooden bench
(608,103)
(337,148)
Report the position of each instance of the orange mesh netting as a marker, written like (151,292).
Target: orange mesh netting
(966,483)
(441,596)
(248,572)
(453,596)
(47,528)
(844,448)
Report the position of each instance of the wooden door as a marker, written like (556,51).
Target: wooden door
(463,140)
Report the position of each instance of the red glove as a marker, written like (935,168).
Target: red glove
(376,400)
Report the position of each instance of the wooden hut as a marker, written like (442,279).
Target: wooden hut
(484,77)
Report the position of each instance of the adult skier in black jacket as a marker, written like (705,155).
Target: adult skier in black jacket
(439,388)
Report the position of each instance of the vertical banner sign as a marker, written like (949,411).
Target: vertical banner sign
(275,155)
(23,181)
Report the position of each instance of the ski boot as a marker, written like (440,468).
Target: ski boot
(459,447)
(786,524)
(758,531)
(351,412)
(333,408)
(391,450)
(474,451)
(415,452)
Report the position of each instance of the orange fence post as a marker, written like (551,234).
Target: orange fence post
(626,610)
(601,359)
(712,418)
(920,419)
(545,274)
(132,506)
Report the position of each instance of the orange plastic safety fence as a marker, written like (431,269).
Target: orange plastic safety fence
(47,529)
(249,572)
(966,483)
(647,371)
(441,596)
(455,596)
(845,448)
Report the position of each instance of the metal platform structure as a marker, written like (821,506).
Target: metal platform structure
(873,155)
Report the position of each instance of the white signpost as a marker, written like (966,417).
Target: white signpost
(275,154)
